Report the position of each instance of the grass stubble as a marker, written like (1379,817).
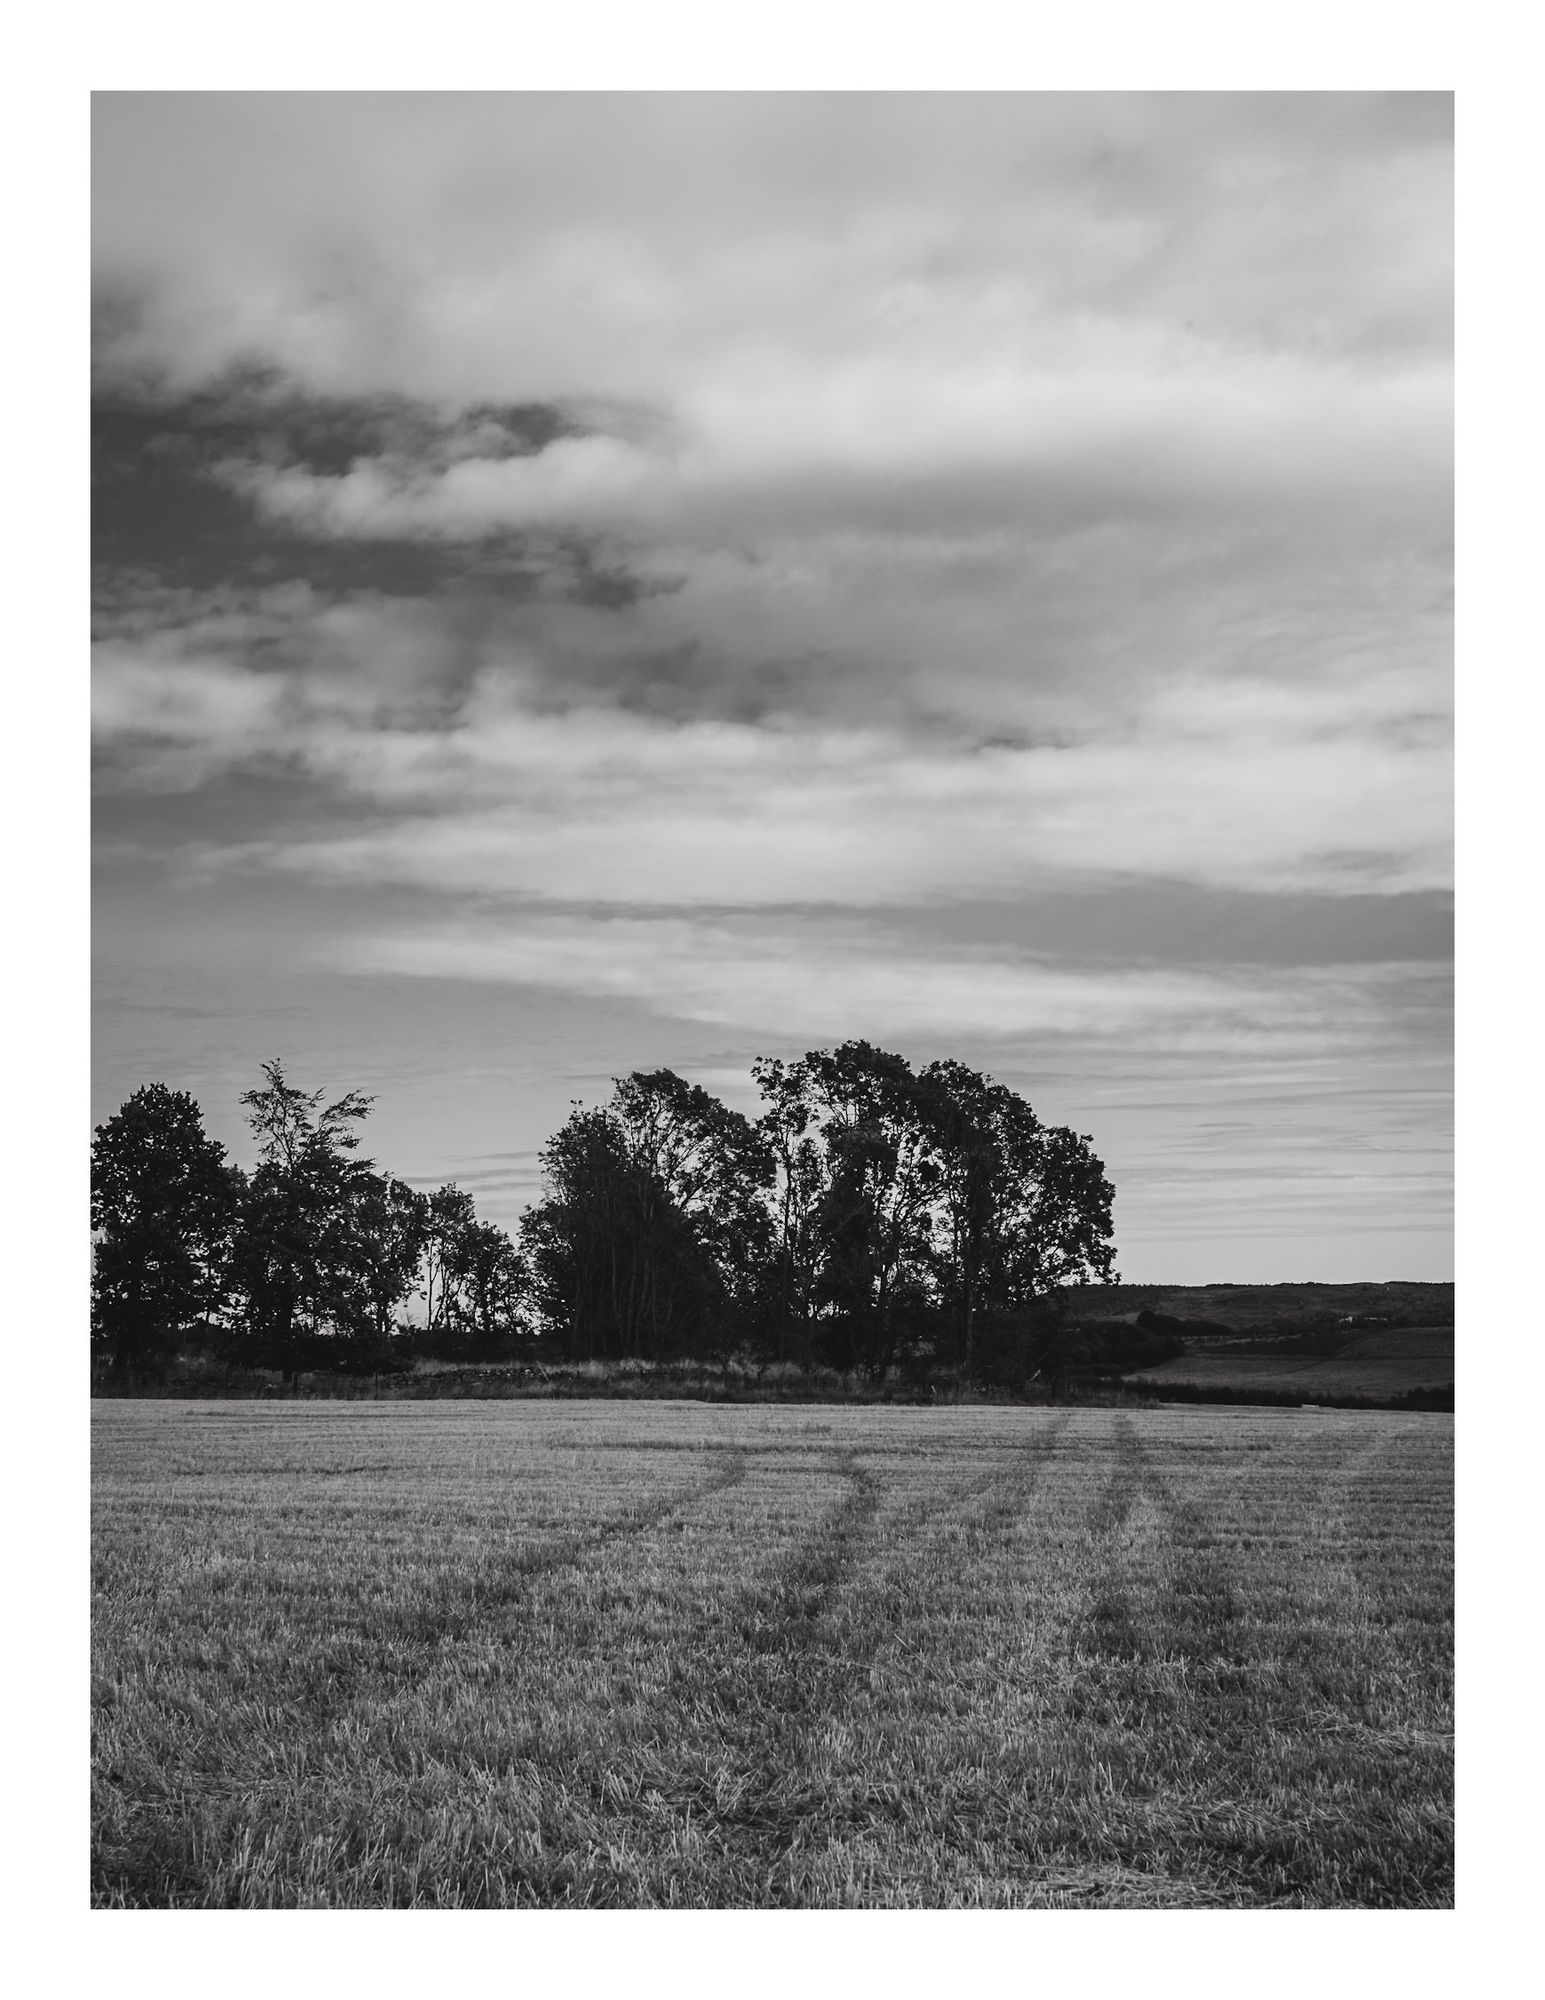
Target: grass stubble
(664,1654)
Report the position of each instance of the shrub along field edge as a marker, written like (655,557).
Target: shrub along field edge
(192,1379)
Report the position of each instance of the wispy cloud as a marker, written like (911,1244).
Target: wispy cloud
(1250,784)
(800,979)
(887,445)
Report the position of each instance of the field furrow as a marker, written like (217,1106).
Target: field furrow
(669,1654)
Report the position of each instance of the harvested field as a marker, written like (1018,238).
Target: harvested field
(624,1654)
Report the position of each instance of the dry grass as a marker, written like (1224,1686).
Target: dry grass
(517,1653)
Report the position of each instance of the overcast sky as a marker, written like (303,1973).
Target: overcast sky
(590,582)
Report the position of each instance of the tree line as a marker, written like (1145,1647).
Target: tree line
(873,1215)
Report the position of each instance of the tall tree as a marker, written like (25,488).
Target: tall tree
(587,1240)
(712,1167)
(867,1219)
(1025,1207)
(651,1234)
(475,1280)
(449,1213)
(799,1185)
(163,1206)
(1058,1227)
(921,1200)
(975,1125)
(389,1228)
(492,1282)
(299,1252)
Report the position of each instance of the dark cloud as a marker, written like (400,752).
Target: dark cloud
(167,513)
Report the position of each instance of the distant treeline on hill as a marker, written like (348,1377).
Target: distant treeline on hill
(1207,1312)
(873,1216)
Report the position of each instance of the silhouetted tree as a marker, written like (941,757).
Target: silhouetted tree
(872,1214)
(389,1225)
(1026,1210)
(300,1255)
(868,1226)
(800,1182)
(907,1204)
(713,1168)
(652,1231)
(449,1213)
(587,1242)
(491,1284)
(163,1208)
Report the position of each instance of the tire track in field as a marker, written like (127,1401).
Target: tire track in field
(782,1620)
(1175,1653)
(728,1748)
(1164,1590)
(736,1680)
(771,1653)
(806,1796)
(759,1776)
(398,1645)
(795,1622)
(463,1606)
(1308,1853)
(1111,1630)
(1160,1590)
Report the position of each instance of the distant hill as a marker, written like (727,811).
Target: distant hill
(1376,1365)
(1310,1341)
(1221,1312)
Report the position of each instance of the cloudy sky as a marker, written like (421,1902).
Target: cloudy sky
(584,583)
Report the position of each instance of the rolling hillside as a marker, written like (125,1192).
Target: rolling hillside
(1314,1341)
(1266,1309)
(1377,1365)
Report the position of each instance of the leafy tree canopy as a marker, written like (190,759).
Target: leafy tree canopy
(163,1207)
(873,1212)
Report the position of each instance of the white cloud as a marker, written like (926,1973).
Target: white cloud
(803,980)
(797,826)
(180,723)
(1115,430)
(989,437)
(536,246)
(1243,784)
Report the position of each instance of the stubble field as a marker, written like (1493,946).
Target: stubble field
(666,1653)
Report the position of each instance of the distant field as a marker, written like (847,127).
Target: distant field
(664,1653)
(1269,1308)
(1386,1363)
